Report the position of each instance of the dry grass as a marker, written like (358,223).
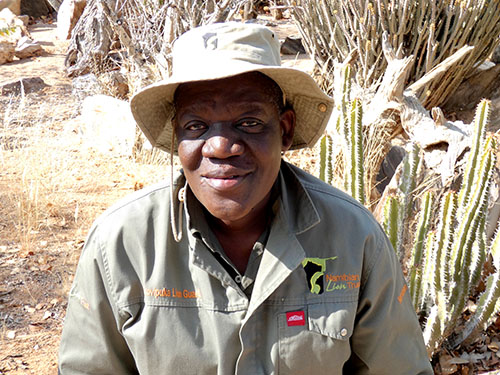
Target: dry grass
(52,188)
(55,182)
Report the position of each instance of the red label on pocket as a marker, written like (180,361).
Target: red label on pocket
(295,318)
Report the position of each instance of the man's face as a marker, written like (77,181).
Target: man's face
(230,138)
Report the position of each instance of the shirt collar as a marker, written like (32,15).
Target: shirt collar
(298,206)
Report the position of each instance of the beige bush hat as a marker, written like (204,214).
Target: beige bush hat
(223,50)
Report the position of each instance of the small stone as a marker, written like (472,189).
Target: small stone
(292,46)
(11,335)
(25,18)
(28,85)
(7,51)
(39,306)
(27,48)
(29,309)
(36,347)
(47,315)
(54,301)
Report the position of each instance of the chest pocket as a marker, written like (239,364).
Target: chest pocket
(322,342)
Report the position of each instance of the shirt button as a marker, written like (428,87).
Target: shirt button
(322,107)
(343,332)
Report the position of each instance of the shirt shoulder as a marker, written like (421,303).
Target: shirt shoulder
(332,203)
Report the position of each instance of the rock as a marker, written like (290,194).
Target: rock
(86,85)
(35,8)
(496,55)
(27,48)
(8,20)
(68,15)
(7,51)
(11,335)
(25,19)
(108,125)
(28,85)
(13,5)
(292,46)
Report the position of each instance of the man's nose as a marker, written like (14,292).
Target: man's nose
(222,143)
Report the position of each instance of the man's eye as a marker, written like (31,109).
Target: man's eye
(250,125)
(195,126)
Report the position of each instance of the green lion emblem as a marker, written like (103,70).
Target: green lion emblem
(315,269)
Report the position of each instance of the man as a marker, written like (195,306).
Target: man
(245,264)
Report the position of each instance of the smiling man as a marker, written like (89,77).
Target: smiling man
(245,264)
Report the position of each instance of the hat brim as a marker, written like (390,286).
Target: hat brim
(153,107)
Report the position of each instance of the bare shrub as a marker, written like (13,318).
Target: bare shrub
(137,35)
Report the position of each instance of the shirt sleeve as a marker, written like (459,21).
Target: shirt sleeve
(91,342)
(387,337)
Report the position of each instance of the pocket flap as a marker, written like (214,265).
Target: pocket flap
(335,320)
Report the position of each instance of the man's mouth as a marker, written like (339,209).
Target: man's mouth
(224,181)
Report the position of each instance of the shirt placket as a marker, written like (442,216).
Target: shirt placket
(282,255)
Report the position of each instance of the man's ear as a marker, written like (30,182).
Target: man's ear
(287,124)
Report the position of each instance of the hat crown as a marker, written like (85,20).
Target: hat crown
(223,45)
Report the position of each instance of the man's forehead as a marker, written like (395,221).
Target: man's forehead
(245,90)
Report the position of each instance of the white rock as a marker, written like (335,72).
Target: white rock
(7,51)
(8,20)
(108,125)
(27,48)
(11,334)
(68,15)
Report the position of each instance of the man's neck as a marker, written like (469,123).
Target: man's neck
(237,239)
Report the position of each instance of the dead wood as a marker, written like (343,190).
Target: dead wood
(91,39)
(397,109)
(137,35)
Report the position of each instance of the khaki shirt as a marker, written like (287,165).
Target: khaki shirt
(328,297)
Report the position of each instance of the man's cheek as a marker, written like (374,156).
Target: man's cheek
(190,154)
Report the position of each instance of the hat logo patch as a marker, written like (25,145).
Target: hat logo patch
(210,41)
